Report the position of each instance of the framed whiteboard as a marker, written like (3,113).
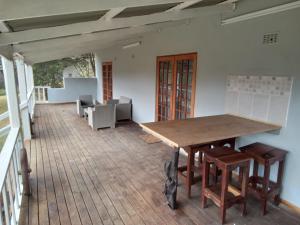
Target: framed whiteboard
(264,98)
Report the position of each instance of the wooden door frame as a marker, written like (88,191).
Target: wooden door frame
(106,64)
(193,56)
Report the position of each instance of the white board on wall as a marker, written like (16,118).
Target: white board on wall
(264,98)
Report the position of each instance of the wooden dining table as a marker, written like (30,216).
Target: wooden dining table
(204,130)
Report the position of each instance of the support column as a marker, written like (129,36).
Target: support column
(99,76)
(30,87)
(11,92)
(19,60)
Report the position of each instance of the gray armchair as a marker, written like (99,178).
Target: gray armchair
(102,116)
(84,101)
(123,108)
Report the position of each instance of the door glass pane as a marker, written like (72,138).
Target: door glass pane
(184,76)
(107,81)
(165,90)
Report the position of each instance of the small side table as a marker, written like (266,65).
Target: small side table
(225,160)
(263,187)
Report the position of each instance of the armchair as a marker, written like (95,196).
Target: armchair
(84,101)
(123,108)
(102,116)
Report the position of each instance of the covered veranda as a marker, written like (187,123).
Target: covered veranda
(111,176)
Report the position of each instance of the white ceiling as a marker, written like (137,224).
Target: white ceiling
(48,43)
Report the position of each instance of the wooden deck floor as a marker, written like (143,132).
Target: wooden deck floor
(111,177)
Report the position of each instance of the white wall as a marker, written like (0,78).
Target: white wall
(71,71)
(73,87)
(98,71)
(222,50)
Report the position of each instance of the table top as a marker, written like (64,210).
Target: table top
(203,130)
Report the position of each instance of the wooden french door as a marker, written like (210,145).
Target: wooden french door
(107,80)
(175,87)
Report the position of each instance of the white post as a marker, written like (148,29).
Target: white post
(44,94)
(99,76)
(30,86)
(11,92)
(19,60)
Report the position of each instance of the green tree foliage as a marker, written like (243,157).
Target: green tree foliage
(51,73)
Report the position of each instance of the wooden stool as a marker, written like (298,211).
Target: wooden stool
(263,187)
(225,160)
(188,171)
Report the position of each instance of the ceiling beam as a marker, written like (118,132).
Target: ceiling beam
(115,39)
(264,12)
(184,5)
(112,13)
(20,9)
(60,44)
(96,26)
(3,27)
(6,51)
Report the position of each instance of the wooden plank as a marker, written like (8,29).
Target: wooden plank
(54,217)
(202,130)
(43,215)
(89,183)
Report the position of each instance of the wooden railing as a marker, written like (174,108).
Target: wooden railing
(11,185)
(41,94)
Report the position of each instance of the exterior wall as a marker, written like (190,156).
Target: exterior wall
(71,71)
(73,87)
(234,49)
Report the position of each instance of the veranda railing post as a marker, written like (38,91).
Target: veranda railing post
(12,145)
(44,94)
(5,204)
(11,93)
(30,89)
(19,60)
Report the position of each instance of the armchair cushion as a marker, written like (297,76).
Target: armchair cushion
(124,100)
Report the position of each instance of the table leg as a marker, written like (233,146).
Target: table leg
(205,181)
(224,188)
(245,181)
(189,172)
(279,182)
(266,182)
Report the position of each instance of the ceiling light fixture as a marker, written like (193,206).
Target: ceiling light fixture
(132,45)
(264,12)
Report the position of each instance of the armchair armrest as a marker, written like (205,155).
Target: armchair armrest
(79,108)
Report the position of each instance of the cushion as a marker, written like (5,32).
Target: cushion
(124,100)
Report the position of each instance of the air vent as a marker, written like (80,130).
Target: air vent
(270,39)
